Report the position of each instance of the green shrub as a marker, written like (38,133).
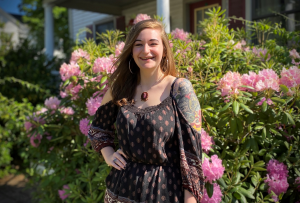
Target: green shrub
(251,123)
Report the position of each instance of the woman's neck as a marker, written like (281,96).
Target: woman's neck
(150,77)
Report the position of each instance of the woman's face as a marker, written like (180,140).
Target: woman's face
(148,49)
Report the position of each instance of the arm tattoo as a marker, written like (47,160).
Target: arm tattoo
(188,102)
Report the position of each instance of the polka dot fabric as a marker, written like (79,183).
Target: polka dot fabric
(158,167)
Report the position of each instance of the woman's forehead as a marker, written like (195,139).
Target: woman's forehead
(149,34)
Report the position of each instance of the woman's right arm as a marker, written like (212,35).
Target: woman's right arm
(102,131)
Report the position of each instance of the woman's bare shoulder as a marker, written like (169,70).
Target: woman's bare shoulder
(107,97)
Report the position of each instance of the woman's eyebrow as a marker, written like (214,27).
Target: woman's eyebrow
(138,40)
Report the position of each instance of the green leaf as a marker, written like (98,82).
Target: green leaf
(246,193)
(103,79)
(246,108)
(254,145)
(264,106)
(225,107)
(236,107)
(259,164)
(233,125)
(284,88)
(278,100)
(290,118)
(222,183)
(210,189)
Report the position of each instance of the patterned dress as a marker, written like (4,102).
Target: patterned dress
(163,150)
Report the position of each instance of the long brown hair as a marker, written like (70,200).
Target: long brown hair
(122,82)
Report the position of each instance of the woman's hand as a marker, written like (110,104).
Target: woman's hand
(115,159)
(188,197)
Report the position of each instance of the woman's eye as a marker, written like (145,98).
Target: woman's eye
(154,44)
(138,44)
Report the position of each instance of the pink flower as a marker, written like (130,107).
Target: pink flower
(230,83)
(93,104)
(261,53)
(50,149)
(84,126)
(67,110)
(77,54)
(275,167)
(212,170)
(267,79)
(180,34)
(249,80)
(66,71)
(269,101)
(171,43)
(277,177)
(119,48)
(87,141)
(290,93)
(61,193)
(103,64)
(297,183)
(290,77)
(216,197)
(141,17)
(52,103)
(239,45)
(189,69)
(28,125)
(261,101)
(294,54)
(206,141)
(63,94)
(73,91)
(35,140)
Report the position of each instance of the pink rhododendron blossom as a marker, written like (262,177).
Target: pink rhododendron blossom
(35,140)
(180,34)
(189,69)
(297,183)
(277,178)
(62,194)
(275,167)
(206,141)
(43,110)
(79,53)
(212,170)
(261,101)
(103,64)
(295,63)
(68,70)
(67,110)
(28,125)
(230,83)
(249,80)
(84,126)
(119,48)
(269,101)
(50,149)
(216,197)
(290,77)
(171,43)
(267,79)
(290,93)
(87,141)
(93,104)
(141,17)
(294,54)
(63,94)
(52,103)
(239,45)
(261,53)
(73,90)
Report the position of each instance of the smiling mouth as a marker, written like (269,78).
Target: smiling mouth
(145,59)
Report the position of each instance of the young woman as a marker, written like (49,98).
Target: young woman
(157,119)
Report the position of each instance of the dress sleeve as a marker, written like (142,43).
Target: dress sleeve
(102,130)
(188,123)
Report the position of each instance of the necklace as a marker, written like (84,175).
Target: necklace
(145,95)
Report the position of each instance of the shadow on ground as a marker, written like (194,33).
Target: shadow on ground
(13,189)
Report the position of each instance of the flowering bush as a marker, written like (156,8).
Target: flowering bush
(250,99)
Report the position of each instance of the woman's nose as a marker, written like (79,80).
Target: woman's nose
(146,48)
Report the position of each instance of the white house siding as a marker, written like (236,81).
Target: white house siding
(176,12)
(79,19)
(147,8)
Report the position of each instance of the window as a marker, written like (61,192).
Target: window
(268,9)
(200,15)
(102,27)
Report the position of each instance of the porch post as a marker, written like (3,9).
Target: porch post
(49,31)
(163,10)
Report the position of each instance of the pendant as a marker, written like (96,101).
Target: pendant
(144,96)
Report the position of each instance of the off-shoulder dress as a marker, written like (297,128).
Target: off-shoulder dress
(163,149)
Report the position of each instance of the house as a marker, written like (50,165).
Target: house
(99,15)
(13,24)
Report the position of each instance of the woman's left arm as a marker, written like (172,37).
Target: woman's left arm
(189,106)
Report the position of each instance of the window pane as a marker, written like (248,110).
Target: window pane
(100,28)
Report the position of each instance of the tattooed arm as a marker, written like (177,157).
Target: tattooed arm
(189,105)
(188,102)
